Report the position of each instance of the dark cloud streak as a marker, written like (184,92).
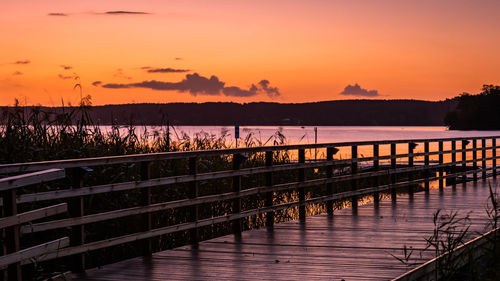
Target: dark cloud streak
(96,83)
(22,62)
(126,13)
(166,70)
(63,77)
(57,14)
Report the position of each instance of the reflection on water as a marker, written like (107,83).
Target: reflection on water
(326,134)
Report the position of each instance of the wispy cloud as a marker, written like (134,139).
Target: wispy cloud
(120,74)
(164,70)
(113,13)
(178,58)
(57,14)
(66,67)
(196,84)
(356,90)
(17,73)
(22,62)
(96,83)
(65,77)
(126,13)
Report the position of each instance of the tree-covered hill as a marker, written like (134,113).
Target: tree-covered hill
(476,112)
(334,113)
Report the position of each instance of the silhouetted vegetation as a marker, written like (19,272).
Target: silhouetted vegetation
(451,231)
(476,112)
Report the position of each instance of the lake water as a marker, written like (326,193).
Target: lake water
(326,134)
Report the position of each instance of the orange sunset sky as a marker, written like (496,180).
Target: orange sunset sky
(245,51)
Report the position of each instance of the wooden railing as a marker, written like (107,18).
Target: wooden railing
(242,190)
(10,222)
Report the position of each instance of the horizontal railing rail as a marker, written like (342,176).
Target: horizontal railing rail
(237,191)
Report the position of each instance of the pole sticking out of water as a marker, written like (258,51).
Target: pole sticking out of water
(315,142)
(236,133)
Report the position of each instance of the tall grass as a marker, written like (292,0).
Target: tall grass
(29,134)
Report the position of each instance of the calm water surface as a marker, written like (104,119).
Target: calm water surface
(326,134)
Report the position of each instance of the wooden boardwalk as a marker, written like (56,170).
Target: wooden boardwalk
(349,246)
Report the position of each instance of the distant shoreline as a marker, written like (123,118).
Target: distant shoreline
(327,113)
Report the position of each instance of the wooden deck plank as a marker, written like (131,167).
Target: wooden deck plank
(346,246)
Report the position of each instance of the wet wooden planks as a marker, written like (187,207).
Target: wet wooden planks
(346,246)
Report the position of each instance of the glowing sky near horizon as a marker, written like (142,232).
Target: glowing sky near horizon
(301,51)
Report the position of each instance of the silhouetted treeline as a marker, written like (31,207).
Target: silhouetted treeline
(476,112)
(341,113)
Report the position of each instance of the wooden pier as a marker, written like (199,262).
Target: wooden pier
(346,246)
(149,202)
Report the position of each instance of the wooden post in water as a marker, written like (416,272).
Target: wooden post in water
(426,164)
(302,194)
(411,148)
(393,168)
(329,174)
(237,224)
(354,170)
(474,158)
(76,209)
(11,242)
(454,161)
(483,158)
(269,195)
(193,193)
(494,155)
(376,167)
(147,245)
(464,159)
(441,169)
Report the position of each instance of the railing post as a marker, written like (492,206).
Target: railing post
(474,158)
(76,209)
(11,242)
(237,224)
(483,158)
(302,194)
(329,174)
(426,164)
(193,193)
(354,170)
(147,245)
(440,170)
(269,195)
(494,155)
(454,161)
(393,170)
(411,148)
(464,160)
(376,167)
